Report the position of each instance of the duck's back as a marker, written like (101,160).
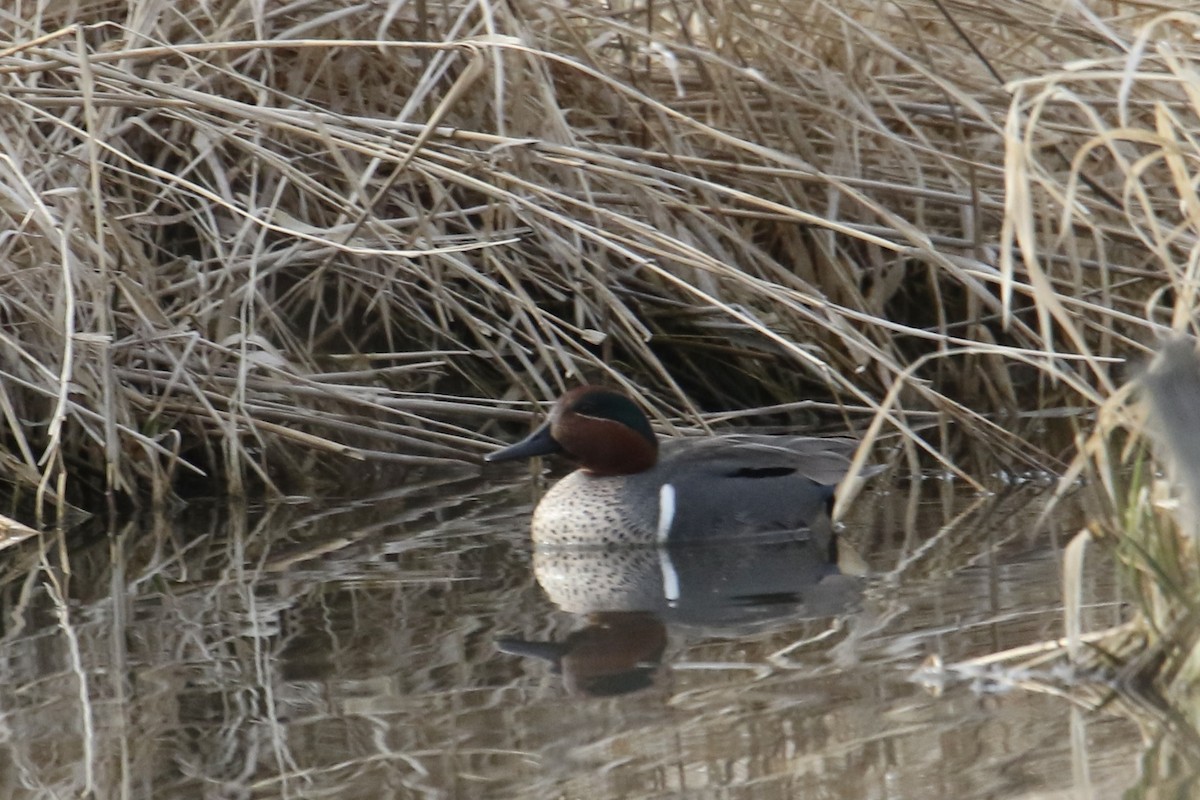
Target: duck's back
(742,485)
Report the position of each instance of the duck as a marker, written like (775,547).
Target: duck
(631,488)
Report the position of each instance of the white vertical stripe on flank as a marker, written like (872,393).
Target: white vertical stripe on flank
(666,515)
(666,512)
(669,575)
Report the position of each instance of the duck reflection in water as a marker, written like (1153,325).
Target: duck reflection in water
(631,596)
(618,652)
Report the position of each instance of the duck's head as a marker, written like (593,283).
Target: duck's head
(602,430)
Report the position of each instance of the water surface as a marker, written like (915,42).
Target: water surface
(357,650)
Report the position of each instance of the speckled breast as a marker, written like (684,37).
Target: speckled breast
(583,509)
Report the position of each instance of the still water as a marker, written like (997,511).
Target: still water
(401,646)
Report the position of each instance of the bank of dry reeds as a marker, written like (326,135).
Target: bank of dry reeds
(259,242)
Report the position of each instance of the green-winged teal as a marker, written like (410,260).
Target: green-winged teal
(631,488)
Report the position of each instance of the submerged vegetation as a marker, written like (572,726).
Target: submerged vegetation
(254,243)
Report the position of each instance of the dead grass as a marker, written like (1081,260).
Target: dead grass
(261,242)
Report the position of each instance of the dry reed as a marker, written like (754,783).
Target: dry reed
(258,242)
